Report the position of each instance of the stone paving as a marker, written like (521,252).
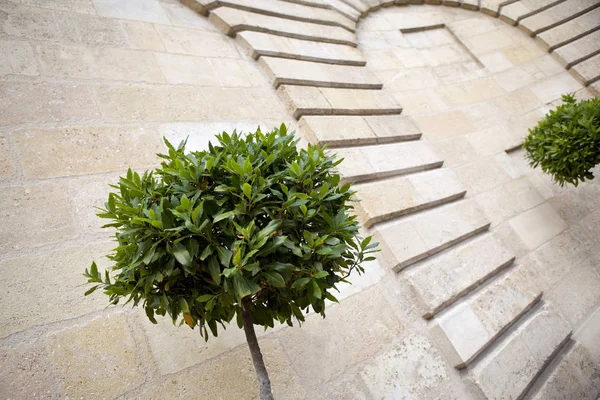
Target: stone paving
(488,285)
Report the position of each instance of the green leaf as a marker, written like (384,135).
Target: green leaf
(150,315)
(316,290)
(224,215)
(204,298)
(243,287)
(91,290)
(181,254)
(321,274)
(224,256)
(247,189)
(214,270)
(197,212)
(274,279)
(183,305)
(300,283)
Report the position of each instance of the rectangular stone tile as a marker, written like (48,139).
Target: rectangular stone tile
(90,364)
(142,36)
(258,44)
(552,88)
(51,289)
(184,16)
(556,15)
(411,194)
(421,102)
(518,102)
(511,368)
(489,42)
(562,34)
(409,79)
(525,52)
(25,102)
(17,58)
(7,168)
(410,369)
(138,10)
(578,50)
(449,276)
(196,42)
(366,318)
(538,225)
(444,125)
(515,78)
(78,6)
(334,130)
(587,71)
(98,63)
(58,26)
(514,12)
(231,21)
(284,71)
(470,92)
(66,152)
(470,326)
(34,216)
(491,140)
(239,73)
(192,70)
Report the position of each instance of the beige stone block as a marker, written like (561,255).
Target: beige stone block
(301,100)
(470,27)
(518,102)
(514,78)
(66,27)
(366,318)
(356,166)
(27,102)
(444,125)
(485,114)
(455,151)
(7,168)
(587,334)
(238,73)
(184,16)
(28,221)
(79,6)
(410,79)
(206,380)
(401,244)
(98,63)
(575,51)
(555,15)
(192,70)
(489,42)
(388,126)
(51,289)
(587,71)
(458,73)
(382,60)
(138,10)
(561,34)
(538,225)
(398,157)
(522,53)
(25,372)
(142,36)
(196,42)
(482,175)
(420,102)
(354,100)
(490,140)
(17,58)
(66,152)
(98,359)
(470,92)
(412,368)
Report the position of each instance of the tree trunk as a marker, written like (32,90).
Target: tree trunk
(261,371)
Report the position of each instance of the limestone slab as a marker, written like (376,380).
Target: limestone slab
(556,15)
(65,152)
(78,6)
(182,15)
(411,194)
(411,369)
(538,225)
(511,368)
(470,326)
(518,10)
(552,88)
(579,50)
(17,58)
(51,290)
(7,168)
(187,69)
(284,71)
(587,71)
(142,36)
(259,44)
(446,278)
(569,31)
(22,102)
(407,241)
(444,125)
(139,10)
(91,364)
(196,42)
(231,21)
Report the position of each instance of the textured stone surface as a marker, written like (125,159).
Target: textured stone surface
(558,36)
(444,125)
(553,16)
(17,58)
(196,42)
(538,225)
(575,51)
(6,165)
(588,71)
(141,10)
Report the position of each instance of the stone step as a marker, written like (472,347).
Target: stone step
(387,199)
(259,44)
(358,5)
(556,15)
(587,71)
(310,100)
(579,50)
(447,277)
(415,238)
(231,21)
(492,7)
(334,5)
(337,131)
(511,367)
(281,9)
(471,325)
(383,161)
(516,11)
(570,31)
(472,5)
(305,73)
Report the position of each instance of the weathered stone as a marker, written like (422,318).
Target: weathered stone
(538,225)
(334,338)
(79,6)
(411,369)
(446,278)
(17,58)
(283,71)
(7,168)
(66,152)
(490,41)
(444,125)
(98,359)
(51,289)
(22,102)
(258,44)
(184,16)
(98,63)
(421,102)
(142,36)
(192,70)
(470,326)
(553,16)
(587,71)
(231,21)
(580,49)
(515,12)
(138,10)
(196,42)
(564,33)
(518,102)
(510,369)
(490,140)
(482,175)
(411,194)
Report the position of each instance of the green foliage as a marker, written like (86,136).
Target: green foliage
(566,142)
(253,221)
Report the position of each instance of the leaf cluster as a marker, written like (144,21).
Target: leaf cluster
(253,222)
(566,142)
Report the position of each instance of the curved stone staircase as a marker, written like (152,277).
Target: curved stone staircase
(486,312)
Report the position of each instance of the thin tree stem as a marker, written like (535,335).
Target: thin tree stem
(259,365)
